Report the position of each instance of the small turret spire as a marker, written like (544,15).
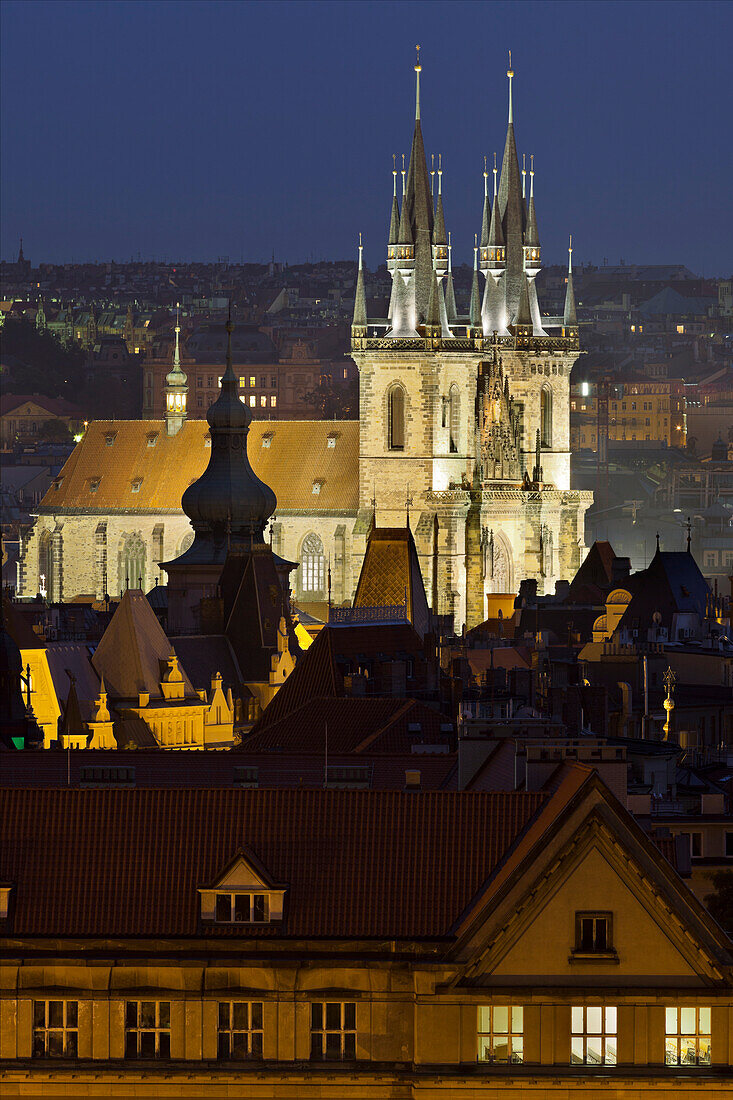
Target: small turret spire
(418,70)
(570,317)
(394,220)
(524,175)
(177,349)
(432,175)
(486,215)
(360,311)
(510,74)
(394,175)
(404,185)
(440,173)
(495,174)
(475,309)
(531,176)
(176,389)
(450,294)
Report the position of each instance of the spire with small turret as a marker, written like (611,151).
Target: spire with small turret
(359,322)
(570,318)
(474,315)
(511,205)
(394,221)
(450,294)
(486,215)
(176,388)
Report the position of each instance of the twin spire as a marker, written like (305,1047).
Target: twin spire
(420,250)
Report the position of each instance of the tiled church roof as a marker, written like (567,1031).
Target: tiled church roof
(140,468)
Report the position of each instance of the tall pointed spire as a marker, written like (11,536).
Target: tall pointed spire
(418,70)
(450,294)
(486,216)
(432,319)
(439,234)
(394,221)
(513,211)
(524,176)
(570,318)
(524,313)
(416,221)
(475,308)
(360,311)
(177,349)
(531,236)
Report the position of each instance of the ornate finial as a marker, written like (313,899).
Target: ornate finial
(531,175)
(403,175)
(450,251)
(494,173)
(361,253)
(177,352)
(668,702)
(510,74)
(524,175)
(440,173)
(570,255)
(394,174)
(418,70)
(432,174)
(486,178)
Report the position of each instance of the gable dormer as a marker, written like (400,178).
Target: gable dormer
(243,894)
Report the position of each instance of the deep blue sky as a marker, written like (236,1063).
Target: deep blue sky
(195,130)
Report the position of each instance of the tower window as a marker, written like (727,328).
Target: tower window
(396,418)
(454,402)
(546,416)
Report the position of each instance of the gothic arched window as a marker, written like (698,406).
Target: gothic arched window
(454,402)
(546,416)
(396,418)
(312,566)
(132,562)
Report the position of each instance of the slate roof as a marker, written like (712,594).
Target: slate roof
(356,863)
(672,583)
(296,455)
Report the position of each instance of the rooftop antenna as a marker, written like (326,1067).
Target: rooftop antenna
(524,175)
(510,74)
(404,185)
(418,70)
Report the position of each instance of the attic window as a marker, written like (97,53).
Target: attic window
(58,482)
(109,438)
(136,483)
(207,440)
(152,439)
(267,439)
(331,441)
(94,484)
(594,935)
(317,483)
(242,909)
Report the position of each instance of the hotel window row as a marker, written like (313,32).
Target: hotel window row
(593,1039)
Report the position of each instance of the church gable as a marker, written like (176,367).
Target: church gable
(602,908)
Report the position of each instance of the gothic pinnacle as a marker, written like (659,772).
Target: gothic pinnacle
(360,310)
(570,318)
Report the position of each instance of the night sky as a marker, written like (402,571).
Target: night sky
(201,130)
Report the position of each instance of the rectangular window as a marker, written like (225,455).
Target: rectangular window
(55,1029)
(252,381)
(242,908)
(263,400)
(240,1030)
(263,381)
(273,381)
(593,1041)
(688,1037)
(273,401)
(501,1033)
(199,382)
(148,1029)
(252,401)
(593,933)
(333,1031)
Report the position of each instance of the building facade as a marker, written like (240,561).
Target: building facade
(522,944)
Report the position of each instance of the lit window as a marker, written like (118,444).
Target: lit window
(252,401)
(267,439)
(148,1029)
(242,382)
(263,401)
(242,909)
(55,1029)
(333,1031)
(594,1036)
(251,381)
(501,1033)
(688,1037)
(94,484)
(240,1030)
(273,401)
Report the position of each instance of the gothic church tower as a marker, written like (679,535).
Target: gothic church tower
(468,415)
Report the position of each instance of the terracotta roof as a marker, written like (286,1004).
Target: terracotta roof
(117,453)
(391,577)
(357,724)
(357,863)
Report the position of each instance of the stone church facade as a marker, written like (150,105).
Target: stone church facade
(464,426)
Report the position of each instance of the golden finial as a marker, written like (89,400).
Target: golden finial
(510,71)
(418,66)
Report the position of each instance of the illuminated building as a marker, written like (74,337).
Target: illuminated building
(639,411)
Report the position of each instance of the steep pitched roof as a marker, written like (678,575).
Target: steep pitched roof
(671,584)
(132,648)
(391,576)
(288,455)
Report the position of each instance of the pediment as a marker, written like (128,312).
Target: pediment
(661,936)
(243,872)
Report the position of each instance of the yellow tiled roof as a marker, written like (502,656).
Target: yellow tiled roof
(137,467)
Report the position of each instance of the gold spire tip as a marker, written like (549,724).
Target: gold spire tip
(510,70)
(418,66)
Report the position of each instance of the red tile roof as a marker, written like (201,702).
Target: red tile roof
(357,863)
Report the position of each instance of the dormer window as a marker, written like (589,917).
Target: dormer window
(242,909)
(152,438)
(267,439)
(136,483)
(243,894)
(58,482)
(317,484)
(331,442)
(109,438)
(207,441)
(94,484)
